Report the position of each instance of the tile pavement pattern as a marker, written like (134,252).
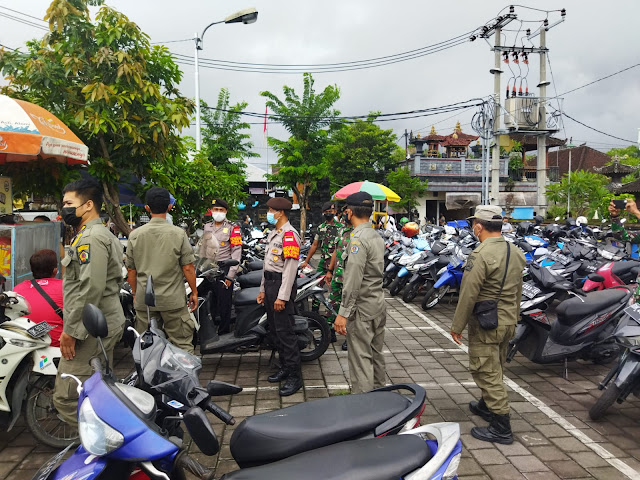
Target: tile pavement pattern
(555,441)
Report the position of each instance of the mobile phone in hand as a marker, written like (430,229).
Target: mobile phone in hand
(620,204)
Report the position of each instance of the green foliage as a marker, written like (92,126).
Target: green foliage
(309,120)
(587,191)
(363,151)
(629,156)
(115,90)
(407,187)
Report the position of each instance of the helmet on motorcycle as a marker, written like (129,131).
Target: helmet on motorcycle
(582,221)
(404,220)
(410,229)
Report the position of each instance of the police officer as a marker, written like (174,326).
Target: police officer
(363,314)
(163,251)
(229,241)
(491,263)
(93,272)
(278,293)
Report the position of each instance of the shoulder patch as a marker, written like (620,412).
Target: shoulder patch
(84,254)
(236,237)
(290,246)
(354,248)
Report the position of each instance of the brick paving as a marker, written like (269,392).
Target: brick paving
(555,439)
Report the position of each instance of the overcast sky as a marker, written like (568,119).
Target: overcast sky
(598,38)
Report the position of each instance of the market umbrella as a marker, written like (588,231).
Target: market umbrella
(377,191)
(29,132)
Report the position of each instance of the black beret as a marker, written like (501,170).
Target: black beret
(360,199)
(279,203)
(217,202)
(328,206)
(157,195)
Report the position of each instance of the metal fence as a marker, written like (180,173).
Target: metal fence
(529,174)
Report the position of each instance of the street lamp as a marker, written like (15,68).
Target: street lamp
(570,147)
(246,16)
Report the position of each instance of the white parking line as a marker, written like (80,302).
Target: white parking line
(548,411)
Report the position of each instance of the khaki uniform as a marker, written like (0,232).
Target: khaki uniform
(161,250)
(279,283)
(93,273)
(364,307)
(482,277)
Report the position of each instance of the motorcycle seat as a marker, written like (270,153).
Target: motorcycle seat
(255,265)
(622,268)
(573,310)
(250,279)
(246,296)
(272,436)
(383,458)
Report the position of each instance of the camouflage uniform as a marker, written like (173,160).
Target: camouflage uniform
(325,236)
(341,243)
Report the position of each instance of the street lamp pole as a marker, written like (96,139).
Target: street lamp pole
(246,16)
(570,147)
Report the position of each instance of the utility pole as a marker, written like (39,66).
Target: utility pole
(541,174)
(494,199)
(197,76)
(406,144)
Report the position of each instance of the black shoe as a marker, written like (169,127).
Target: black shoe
(278,377)
(480,408)
(344,346)
(498,431)
(292,385)
(333,336)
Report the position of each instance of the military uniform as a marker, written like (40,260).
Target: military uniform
(229,240)
(93,273)
(279,283)
(483,273)
(161,250)
(325,236)
(364,308)
(341,247)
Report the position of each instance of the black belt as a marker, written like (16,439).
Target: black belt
(272,275)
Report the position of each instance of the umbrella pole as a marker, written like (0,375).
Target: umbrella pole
(130,215)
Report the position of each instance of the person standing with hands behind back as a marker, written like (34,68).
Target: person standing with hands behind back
(163,251)
(93,271)
(489,302)
(278,293)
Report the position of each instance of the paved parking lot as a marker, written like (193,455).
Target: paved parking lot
(555,439)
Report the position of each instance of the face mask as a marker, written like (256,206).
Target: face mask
(271,218)
(328,216)
(475,235)
(345,218)
(69,216)
(219,216)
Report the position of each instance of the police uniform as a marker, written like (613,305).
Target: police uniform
(161,250)
(228,238)
(279,283)
(93,273)
(363,303)
(483,273)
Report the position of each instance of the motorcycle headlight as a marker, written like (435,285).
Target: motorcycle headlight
(97,437)
(452,469)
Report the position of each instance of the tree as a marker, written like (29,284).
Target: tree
(225,142)
(629,156)
(407,187)
(363,151)
(587,190)
(109,85)
(309,120)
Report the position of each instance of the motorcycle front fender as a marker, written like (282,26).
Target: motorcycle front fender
(403,272)
(79,465)
(629,373)
(391,267)
(447,278)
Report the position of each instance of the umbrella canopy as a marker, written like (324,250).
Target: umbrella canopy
(377,191)
(29,132)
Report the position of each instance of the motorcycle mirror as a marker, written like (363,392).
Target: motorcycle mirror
(220,389)
(201,432)
(149,294)
(595,277)
(94,321)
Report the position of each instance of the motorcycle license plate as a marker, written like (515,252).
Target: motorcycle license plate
(529,290)
(48,468)
(39,329)
(633,311)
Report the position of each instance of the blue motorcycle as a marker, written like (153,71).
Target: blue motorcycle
(449,279)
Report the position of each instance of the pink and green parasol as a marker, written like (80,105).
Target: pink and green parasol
(377,191)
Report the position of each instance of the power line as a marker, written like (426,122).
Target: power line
(23,21)
(174,41)
(596,130)
(21,13)
(600,79)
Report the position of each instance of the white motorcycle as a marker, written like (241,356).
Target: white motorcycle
(28,368)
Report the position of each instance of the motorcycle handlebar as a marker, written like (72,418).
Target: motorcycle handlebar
(193,466)
(220,413)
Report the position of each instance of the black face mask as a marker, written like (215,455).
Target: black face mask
(345,218)
(69,216)
(328,216)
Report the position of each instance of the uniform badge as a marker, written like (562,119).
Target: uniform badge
(274,250)
(276,258)
(84,256)
(222,244)
(354,249)
(236,237)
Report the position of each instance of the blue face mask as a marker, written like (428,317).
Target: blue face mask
(271,218)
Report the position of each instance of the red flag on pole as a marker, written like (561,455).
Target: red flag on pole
(265,120)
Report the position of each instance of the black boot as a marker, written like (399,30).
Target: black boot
(333,336)
(344,346)
(282,374)
(292,385)
(498,431)
(480,409)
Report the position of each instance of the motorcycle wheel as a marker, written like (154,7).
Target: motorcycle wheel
(608,397)
(42,417)
(397,285)
(411,291)
(321,333)
(432,297)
